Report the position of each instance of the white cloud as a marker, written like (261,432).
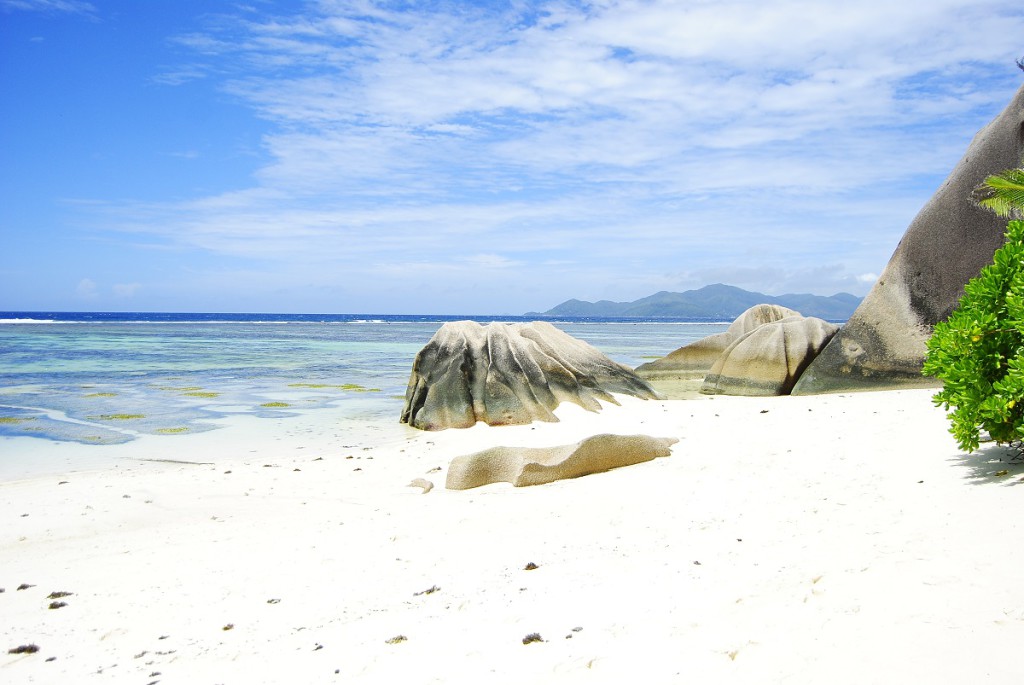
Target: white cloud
(69,6)
(126,290)
(86,289)
(622,141)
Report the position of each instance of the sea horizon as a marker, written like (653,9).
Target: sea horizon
(86,316)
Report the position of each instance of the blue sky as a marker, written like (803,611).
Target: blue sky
(475,157)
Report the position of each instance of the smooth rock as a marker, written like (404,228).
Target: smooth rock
(535,465)
(946,245)
(696,359)
(769,359)
(506,374)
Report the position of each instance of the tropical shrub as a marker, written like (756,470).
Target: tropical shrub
(978,352)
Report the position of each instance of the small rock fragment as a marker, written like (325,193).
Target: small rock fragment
(421,483)
(24,649)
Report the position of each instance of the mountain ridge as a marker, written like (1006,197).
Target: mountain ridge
(718,300)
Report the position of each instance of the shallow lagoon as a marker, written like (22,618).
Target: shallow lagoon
(106,382)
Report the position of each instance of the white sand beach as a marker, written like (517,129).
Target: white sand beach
(836,538)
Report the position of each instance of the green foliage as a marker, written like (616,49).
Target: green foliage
(1003,193)
(978,352)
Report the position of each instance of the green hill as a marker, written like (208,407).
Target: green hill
(717,301)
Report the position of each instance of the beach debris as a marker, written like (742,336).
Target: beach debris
(24,649)
(57,605)
(273,601)
(530,566)
(574,630)
(434,470)
(25,586)
(229,626)
(429,591)
(532,637)
(318,647)
(522,466)
(396,639)
(421,483)
(59,594)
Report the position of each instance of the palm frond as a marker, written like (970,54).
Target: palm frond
(1003,193)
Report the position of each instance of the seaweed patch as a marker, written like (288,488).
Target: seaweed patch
(117,417)
(351,387)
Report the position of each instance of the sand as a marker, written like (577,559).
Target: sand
(836,538)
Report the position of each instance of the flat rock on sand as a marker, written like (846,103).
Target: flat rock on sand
(536,465)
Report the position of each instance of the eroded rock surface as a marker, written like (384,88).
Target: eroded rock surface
(946,245)
(696,359)
(769,359)
(506,374)
(535,465)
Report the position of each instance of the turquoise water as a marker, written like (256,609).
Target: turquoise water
(107,382)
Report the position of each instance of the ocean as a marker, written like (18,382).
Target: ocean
(106,378)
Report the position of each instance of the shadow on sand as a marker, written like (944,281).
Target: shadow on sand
(993,463)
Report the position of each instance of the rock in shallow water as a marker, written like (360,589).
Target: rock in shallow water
(506,374)
(536,465)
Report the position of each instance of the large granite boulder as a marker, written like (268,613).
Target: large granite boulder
(509,374)
(947,244)
(769,359)
(535,465)
(696,359)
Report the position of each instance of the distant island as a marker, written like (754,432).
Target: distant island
(724,302)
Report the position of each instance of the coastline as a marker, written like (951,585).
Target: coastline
(839,538)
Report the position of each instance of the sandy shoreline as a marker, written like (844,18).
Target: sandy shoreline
(837,538)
